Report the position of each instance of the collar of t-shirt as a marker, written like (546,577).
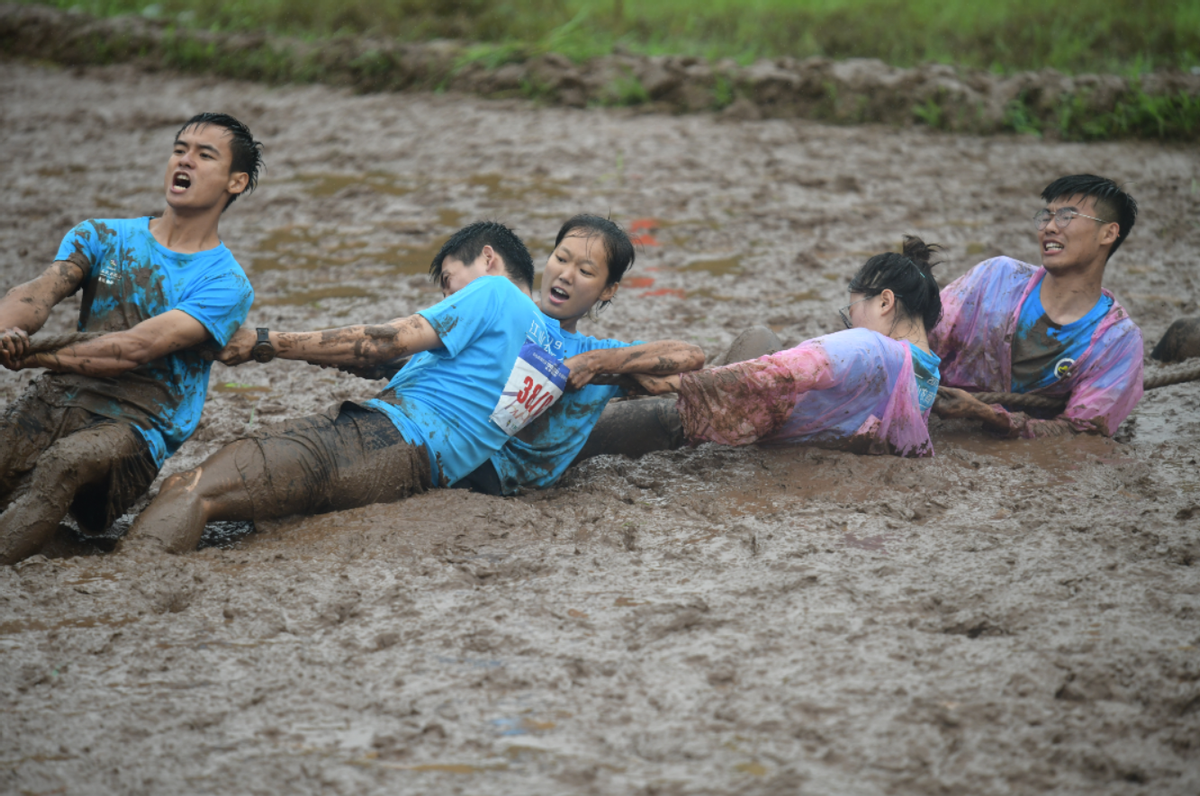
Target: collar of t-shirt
(1044,351)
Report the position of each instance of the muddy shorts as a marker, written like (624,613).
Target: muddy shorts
(347,457)
(34,427)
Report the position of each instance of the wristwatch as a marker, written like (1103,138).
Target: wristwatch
(263,351)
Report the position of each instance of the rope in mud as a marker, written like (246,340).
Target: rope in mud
(1159,379)
(43,343)
(53,342)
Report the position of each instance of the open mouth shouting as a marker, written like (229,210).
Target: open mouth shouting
(180,182)
(558,296)
(1051,247)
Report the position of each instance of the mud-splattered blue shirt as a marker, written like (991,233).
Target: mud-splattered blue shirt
(1043,351)
(443,398)
(925,371)
(537,457)
(130,277)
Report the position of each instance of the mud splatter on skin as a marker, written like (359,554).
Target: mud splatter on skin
(368,345)
(1033,610)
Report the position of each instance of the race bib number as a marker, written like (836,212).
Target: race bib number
(537,381)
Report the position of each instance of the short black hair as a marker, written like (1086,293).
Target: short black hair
(618,248)
(247,153)
(1112,203)
(467,244)
(909,276)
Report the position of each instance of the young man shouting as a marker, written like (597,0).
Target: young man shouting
(1012,327)
(90,435)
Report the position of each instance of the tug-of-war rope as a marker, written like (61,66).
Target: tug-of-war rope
(1161,378)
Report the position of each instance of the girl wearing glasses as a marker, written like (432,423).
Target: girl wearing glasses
(867,389)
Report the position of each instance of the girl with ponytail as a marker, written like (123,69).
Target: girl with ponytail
(867,389)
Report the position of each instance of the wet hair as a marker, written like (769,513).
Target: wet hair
(909,276)
(1112,204)
(467,244)
(618,248)
(247,153)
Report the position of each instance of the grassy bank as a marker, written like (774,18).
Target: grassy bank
(1115,36)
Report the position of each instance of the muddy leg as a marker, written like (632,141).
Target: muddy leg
(635,428)
(174,521)
(1181,341)
(30,425)
(72,462)
(343,459)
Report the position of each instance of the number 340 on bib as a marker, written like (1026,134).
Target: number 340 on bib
(537,380)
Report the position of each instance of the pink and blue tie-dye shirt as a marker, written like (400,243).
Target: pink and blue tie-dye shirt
(853,390)
(981,311)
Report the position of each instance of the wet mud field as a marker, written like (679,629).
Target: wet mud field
(1007,617)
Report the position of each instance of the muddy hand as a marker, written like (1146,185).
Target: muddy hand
(383,370)
(14,346)
(955,403)
(237,350)
(583,369)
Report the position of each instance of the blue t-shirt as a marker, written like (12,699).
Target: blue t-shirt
(443,398)
(130,277)
(925,371)
(537,456)
(1043,351)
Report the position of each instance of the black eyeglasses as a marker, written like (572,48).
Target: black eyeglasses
(1062,217)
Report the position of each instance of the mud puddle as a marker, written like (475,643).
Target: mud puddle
(1007,617)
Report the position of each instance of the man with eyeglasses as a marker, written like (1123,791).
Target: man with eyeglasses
(1010,326)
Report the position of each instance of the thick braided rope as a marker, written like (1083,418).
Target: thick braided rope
(53,342)
(42,343)
(1159,379)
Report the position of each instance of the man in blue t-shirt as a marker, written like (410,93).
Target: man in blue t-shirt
(482,367)
(1009,326)
(90,435)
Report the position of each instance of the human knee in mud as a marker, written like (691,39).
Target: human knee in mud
(1181,341)
(96,472)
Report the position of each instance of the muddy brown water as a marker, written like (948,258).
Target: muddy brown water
(1008,617)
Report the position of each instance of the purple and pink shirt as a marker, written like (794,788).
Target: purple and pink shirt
(853,390)
(981,312)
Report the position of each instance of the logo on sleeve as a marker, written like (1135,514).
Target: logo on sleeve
(1062,368)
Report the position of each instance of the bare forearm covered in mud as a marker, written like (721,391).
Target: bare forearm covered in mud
(25,308)
(113,354)
(356,346)
(663,358)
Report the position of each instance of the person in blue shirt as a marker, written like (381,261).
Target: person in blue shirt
(582,275)
(483,365)
(89,436)
(1052,330)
